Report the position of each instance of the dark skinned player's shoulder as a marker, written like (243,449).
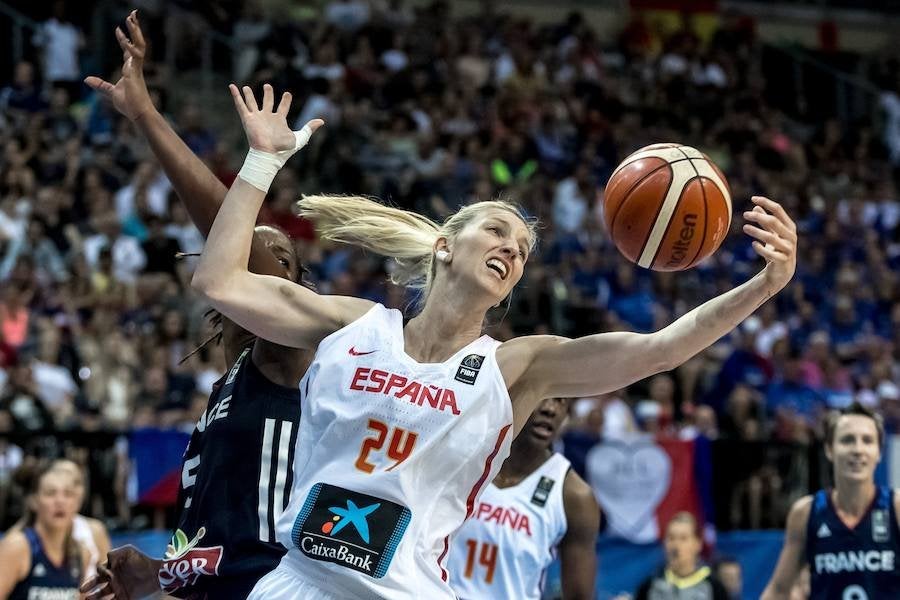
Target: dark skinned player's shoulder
(580,503)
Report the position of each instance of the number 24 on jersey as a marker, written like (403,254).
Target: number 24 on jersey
(399,448)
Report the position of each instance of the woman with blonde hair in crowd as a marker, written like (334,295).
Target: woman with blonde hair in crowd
(43,561)
(87,531)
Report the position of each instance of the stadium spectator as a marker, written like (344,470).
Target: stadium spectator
(729,572)
(683,575)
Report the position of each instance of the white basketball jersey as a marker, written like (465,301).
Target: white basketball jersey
(81,533)
(503,550)
(391,456)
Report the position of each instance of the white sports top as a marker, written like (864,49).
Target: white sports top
(81,533)
(391,457)
(504,549)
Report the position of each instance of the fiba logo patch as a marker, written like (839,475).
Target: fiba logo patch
(542,491)
(350,529)
(468,368)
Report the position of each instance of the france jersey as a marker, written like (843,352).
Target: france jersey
(235,482)
(858,563)
(46,581)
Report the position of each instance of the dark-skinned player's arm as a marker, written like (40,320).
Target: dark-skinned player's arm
(577,549)
(198,188)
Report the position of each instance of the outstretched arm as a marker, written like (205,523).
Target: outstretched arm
(594,364)
(273,308)
(198,188)
(791,560)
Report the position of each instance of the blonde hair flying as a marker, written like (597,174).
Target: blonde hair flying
(406,236)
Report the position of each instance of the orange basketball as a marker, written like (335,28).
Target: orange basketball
(667,207)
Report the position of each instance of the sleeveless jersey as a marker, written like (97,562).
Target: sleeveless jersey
(81,531)
(45,580)
(391,458)
(503,550)
(235,482)
(858,563)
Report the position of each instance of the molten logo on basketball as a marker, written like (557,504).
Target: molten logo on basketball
(681,245)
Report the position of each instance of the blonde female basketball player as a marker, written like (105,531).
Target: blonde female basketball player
(404,425)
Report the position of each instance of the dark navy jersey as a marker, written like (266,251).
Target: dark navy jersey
(235,482)
(858,563)
(45,580)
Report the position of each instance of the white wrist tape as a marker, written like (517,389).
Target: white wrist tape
(260,168)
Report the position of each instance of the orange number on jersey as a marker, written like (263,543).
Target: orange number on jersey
(397,453)
(487,558)
(371,443)
(401,446)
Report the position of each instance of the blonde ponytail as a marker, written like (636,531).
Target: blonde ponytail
(400,234)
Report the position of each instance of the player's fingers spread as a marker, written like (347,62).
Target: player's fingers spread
(284,105)
(250,99)
(268,98)
(238,100)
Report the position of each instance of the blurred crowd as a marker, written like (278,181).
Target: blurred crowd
(430,110)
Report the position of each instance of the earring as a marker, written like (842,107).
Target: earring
(442,255)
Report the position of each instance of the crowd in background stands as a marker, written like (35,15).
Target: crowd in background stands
(431,111)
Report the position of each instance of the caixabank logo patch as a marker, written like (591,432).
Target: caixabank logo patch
(351,529)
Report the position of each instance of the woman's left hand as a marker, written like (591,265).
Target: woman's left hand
(774,238)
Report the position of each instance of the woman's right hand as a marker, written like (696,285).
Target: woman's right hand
(267,128)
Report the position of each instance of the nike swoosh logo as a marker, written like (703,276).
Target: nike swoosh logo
(355,352)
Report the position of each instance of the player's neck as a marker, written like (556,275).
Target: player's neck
(440,330)
(524,458)
(52,538)
(853,497)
